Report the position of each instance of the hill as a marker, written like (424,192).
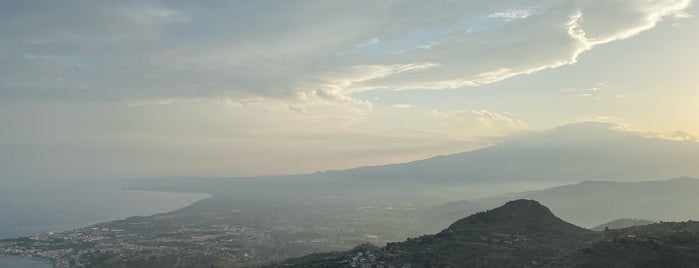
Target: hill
(524,233)
(521,233)
(519,216)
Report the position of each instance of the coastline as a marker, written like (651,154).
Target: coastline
(21,261)
(25,261)
(51,207)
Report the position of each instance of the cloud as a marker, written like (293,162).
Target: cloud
(482,122)
(159,50)
(511,14)
(599,118)
(626,18)
(487,117)
(617,124)
(373,41)
(401,106)
(534,43)
(151,102)
(684,136)
(598,92)
(673,135)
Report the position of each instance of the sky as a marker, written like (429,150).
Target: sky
(131,89)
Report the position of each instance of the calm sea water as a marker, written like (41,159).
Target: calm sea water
(11,262)
(28,207)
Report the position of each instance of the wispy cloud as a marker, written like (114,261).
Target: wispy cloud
(511,14)
(600,91)
(401,106)
(193,51)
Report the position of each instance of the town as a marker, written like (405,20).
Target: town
(220,237)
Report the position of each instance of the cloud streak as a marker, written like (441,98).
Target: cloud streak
(154,50)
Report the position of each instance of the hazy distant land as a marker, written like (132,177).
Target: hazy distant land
(254,221)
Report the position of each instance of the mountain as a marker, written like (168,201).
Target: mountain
(576,152)
(621,224)
(521,233)
(591,202)
(570,153)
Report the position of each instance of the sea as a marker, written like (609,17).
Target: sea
(14,262)
(29,207)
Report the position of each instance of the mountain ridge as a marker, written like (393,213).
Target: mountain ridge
(574,152)
(587,203)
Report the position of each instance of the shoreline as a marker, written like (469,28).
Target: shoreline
(39,262)
(159,200)
(36,260)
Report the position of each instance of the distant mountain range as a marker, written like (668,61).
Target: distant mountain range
(567,154)
(572,153)
(593,202)
(621,224)
(524,233)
